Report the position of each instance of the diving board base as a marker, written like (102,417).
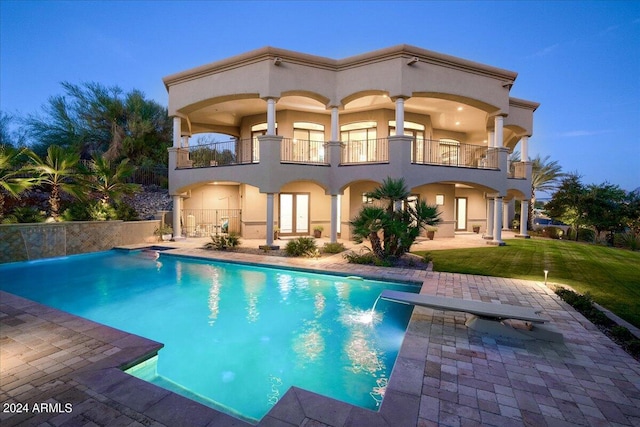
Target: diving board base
(524,331)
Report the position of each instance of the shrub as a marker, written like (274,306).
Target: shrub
(333,248)
(223,242)
(552,232)
(621,333)
(628,240)
(366,256)
(77,211)
(26,214)
(126,212)
(302,246)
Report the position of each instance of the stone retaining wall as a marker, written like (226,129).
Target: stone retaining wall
(25,242)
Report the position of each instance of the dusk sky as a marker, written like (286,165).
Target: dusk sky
(579,60)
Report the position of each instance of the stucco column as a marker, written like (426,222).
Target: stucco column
(271,116)
(335,124)
(489,233)
(185,141)
(400,116)
(524,219)
(177,131)
(524,149)
(499,121)
(334,218)
(269,219)
(497,222)
(491,139)
(505,215)
(177,213)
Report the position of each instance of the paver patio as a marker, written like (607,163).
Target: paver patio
(445,374)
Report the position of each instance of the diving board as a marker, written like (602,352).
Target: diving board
(488,317)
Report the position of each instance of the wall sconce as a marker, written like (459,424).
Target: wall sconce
(277,61)
(413,60)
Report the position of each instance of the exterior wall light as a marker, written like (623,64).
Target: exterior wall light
(277,61)
(546,274)
(413,60)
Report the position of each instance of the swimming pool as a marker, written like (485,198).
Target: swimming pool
(236,336)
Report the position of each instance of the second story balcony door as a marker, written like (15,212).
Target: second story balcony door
(294,214)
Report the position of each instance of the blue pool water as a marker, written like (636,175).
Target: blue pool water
(236,336)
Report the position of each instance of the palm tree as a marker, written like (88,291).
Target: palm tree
(399,222)
(545,176)
(109,182)
(12,177)
(59,171)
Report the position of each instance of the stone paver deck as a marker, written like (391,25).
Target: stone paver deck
(445,374)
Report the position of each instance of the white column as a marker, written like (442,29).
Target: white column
(334,218)
(499,121)
(271,116)
(491,139)
(177,131)
(524,150)
(490,204)
(177,213)
(497,221)
(524,218)
(400,116)
(269,219)
(335,124)
(505,215)
(185,141)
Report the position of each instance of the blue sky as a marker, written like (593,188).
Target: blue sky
(580,60)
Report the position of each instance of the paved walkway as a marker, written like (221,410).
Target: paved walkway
(445,374)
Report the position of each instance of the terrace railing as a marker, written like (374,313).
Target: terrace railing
(206,222)
(365,151)
(304,151)
(435,152)
(518,170)
(234,152)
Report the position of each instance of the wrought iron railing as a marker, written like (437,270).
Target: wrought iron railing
(234,152)
(206,222)
(518,170)
(447,153)
(365,151)
(303,151)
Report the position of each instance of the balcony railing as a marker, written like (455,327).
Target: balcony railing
(365,151)
(206,222)
(518,170)
(303,151)
(234,152)
(435,152)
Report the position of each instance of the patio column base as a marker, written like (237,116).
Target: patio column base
(487,237)
(496,243)
(523,236)
(269,247)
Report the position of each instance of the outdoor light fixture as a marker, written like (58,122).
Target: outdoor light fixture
(546,273)
(413,60)
(277,61)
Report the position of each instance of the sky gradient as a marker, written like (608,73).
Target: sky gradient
(579,60)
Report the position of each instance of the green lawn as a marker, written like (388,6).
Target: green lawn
(612,276)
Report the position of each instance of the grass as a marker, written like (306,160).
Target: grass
(611,276)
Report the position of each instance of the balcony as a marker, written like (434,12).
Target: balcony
(304,152)
(234,152)
(372,151)
(435,152)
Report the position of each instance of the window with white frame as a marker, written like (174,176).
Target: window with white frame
(308,141)
(361,141)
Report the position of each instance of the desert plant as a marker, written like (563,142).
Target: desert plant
(223,242)
(302,246)
(333,248)
(366,256)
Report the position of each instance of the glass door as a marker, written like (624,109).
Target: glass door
(294,213)
(461,213)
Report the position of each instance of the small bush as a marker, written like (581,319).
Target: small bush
(427,257)
(302,246)
(222,242)
(621,333)
(333,248)
(26,214)
(553,232)
(628,240)
(366,257)
(126,212)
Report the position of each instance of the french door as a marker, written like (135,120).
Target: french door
(461,213)
(294,213)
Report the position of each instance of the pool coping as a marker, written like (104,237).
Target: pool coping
(106,377)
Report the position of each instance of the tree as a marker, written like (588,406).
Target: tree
(59,171)
(603,207)
(94,119)
(545,175)
(567,203)
(13,177)
(108,180)
(399,221)
(9,135)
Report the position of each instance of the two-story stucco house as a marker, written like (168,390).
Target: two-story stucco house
(309,136)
